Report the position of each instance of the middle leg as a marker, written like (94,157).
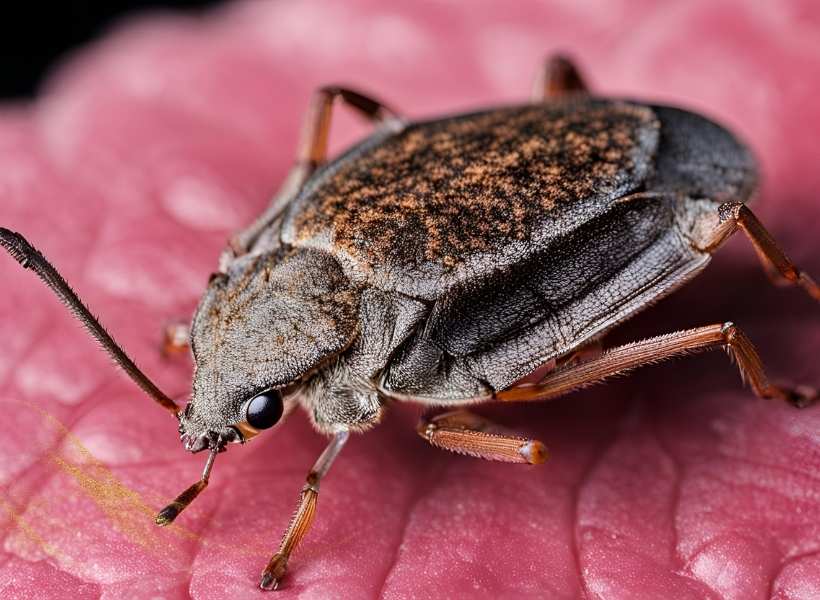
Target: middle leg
(463,432)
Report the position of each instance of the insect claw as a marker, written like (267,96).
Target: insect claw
(274,572)
(268,582)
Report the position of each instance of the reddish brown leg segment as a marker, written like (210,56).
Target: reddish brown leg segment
(734,216)
(313,143)
(175,338)
(466,433)
(303,517)
(559,77)
(312,152)
(624,358)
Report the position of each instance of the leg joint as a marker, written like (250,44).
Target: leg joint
(729,211)
(369,106)
(729,331)
(312,482)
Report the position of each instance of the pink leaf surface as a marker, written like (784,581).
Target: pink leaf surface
(149,148)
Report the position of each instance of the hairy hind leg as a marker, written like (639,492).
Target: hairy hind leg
(630,356)
(734,216)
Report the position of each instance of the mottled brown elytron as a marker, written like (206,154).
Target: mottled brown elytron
(503,171)
(442,261)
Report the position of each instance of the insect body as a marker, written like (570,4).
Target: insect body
(440,262)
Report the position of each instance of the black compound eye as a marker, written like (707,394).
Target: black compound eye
(264,410)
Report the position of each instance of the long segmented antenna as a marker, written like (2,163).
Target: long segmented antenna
(167,515)
(31,258)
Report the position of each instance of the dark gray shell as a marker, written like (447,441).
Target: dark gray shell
(266,322)
(525,230)
(443,262)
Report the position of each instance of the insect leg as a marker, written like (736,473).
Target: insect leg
(241,241)
(463,432)
(175,338)
(312,152)
(624,358)
(313,143)
(557,78)
(782,271)
(303,517)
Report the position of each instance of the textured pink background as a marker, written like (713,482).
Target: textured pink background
(147,149)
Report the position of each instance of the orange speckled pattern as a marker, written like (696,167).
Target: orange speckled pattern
(440,192)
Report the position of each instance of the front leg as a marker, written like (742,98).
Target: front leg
(311,153)
(303,518)
(558,78)
(176,339)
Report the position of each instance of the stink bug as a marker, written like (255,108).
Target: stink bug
(441,262)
